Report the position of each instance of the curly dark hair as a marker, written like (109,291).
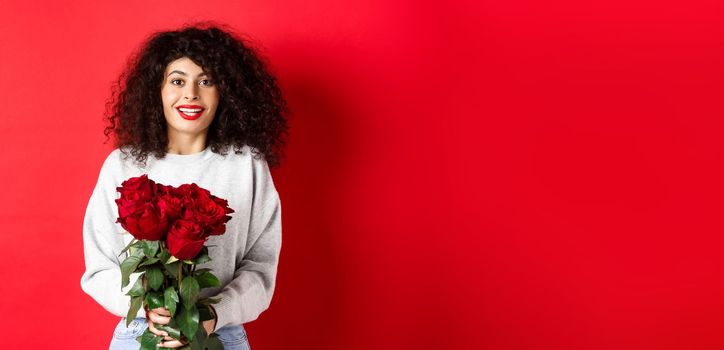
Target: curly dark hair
(251,109)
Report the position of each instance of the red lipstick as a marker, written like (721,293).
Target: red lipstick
(190,112)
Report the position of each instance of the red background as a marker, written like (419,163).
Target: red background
(497,175)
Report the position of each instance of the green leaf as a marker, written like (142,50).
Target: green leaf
(172,323)
(188,321)
(154,300)
(137,245)
(133,240)
(172,332)
(205,313)
(207,279)
(199,342)
(199,271)
(170,298)
(213,343)
(150,248)
(137,290)
(164,254)
(149,341)
(154,277)
(189,291)
(171,259)
(136,303)
(208,301)
(172,268)
(148,262)
(129,266)
(203,256)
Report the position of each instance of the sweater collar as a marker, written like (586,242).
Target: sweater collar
(188,158)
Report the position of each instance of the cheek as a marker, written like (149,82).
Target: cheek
(168,97)
(212,97)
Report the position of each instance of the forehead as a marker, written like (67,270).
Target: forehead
(184,64)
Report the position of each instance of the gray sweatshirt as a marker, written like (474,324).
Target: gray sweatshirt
(245,258)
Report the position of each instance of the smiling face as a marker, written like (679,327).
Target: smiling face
(189,98)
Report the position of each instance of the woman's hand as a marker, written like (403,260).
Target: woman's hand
(162,316)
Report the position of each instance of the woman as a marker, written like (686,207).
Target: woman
(184,99)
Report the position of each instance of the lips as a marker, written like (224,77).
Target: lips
(190,112)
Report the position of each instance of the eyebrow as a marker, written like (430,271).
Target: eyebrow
(182,73)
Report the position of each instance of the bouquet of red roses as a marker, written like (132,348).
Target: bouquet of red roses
(170,226)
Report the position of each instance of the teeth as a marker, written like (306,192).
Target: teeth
(186,110)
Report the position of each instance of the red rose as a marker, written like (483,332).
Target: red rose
(193,191)
(146,222)
(168,201)
(208,210)
(126,208)
(217,209)
(138,209)
(185,239)
(185,216)
(138,189)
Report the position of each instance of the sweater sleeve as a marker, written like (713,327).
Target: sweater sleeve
(250,292)
(102,243)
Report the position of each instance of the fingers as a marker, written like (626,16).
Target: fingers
(159,332)
(162,311)
(171,344)
(157,318)
(156,331)
(162,316)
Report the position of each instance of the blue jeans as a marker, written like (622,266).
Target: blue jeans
(124,338)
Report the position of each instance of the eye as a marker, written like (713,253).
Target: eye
(174,81)
(208,82)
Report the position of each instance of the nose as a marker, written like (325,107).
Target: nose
(190,93)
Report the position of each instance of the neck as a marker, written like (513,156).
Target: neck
(186,144)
